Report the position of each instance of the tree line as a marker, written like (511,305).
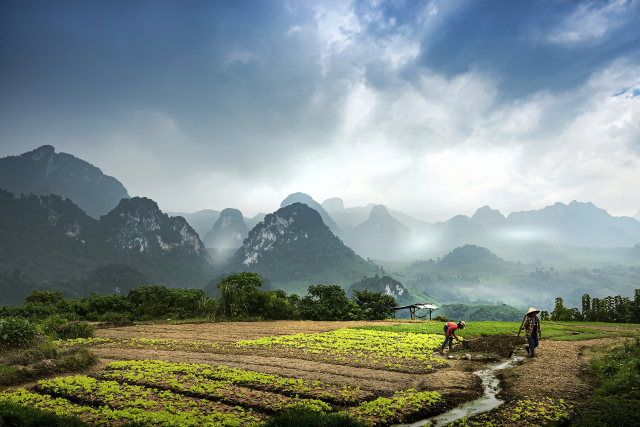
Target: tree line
(239,297)
(615,309)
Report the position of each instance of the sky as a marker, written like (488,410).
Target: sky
(431,108)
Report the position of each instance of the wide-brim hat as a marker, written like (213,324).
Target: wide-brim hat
(533,310)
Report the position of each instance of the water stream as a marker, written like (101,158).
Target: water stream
(482,404)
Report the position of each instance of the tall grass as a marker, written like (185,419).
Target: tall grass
(616,401)
(300,416)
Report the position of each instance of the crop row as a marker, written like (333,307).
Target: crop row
(150,407)
(147,343)
(402,407)
(472,329)
(201,377)
(522,413)
(195,413)
(370,347)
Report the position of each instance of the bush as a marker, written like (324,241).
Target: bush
(111,317)
(49,326)
(441,318)
(75,330)
(44,350)
(14,331)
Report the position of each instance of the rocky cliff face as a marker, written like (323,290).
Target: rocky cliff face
(138,224)
(43,172)
(228,231)
(308,200)
(54,240)
(293,243)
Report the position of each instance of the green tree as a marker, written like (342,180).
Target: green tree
(328,302)
(237,292)
(374,305)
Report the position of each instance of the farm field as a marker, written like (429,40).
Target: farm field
(382,372)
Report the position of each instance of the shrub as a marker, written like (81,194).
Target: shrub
(14,331)
(44,350)
(111,317)
(441,318)
(75,330)
(49,326)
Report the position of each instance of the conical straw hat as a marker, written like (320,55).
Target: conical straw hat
(533,310)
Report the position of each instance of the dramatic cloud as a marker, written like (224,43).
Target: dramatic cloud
(432,108)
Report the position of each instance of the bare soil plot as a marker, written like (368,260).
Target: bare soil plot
(558,371)
(227,332)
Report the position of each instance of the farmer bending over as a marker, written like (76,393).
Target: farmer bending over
(450,334)
(532,326)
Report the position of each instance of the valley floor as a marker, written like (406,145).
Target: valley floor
(558,372)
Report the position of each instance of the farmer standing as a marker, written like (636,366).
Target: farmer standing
(532,326)
(450,333)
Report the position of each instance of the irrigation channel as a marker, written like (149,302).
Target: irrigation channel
(485,403)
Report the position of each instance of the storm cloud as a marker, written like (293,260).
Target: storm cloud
(431,108)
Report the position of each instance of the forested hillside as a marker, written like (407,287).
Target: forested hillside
(294,249)
(52,240)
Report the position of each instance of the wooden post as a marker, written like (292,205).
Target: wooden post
(430,310)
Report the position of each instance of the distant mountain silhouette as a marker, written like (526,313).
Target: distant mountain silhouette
(381,236)
(488,217)
(637,216)
(43,172)
(228,231)
(252,222)
(334,204)
(349,218)
(577,223)
(200,221)
(308,200)
(294,245)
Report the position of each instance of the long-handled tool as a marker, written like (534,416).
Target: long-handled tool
(520,329)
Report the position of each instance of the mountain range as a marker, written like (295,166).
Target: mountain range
(47,235)
(44,172)
(53,240)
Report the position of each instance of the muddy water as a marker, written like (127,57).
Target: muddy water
(483,404)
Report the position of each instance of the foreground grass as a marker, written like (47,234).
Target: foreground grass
(616,400)
(301,416)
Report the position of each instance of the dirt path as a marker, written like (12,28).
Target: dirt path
(556,372)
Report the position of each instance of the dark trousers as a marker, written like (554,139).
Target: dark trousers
(533,343)
(446,338)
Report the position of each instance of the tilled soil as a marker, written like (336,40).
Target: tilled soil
(379,382)
(227,332)
(499,344)
(558,371)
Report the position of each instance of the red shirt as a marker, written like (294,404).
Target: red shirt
(452,330)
